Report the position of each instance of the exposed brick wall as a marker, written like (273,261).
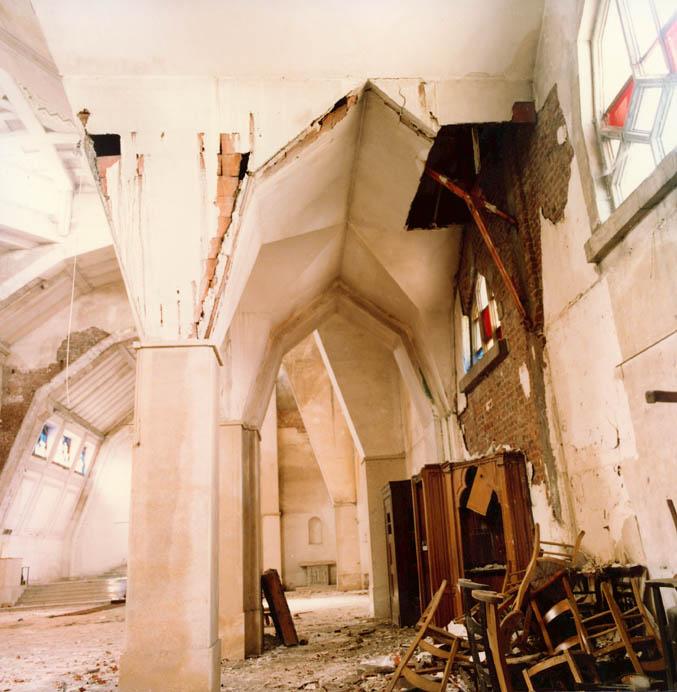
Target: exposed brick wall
(19,386)
(230,170)
(527,174)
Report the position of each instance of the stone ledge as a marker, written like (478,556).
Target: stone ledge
(484,366)
(649,194)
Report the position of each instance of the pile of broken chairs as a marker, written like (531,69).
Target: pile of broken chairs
(553,627)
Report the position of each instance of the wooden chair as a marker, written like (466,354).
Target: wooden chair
(563,555)
(636,631)
(495,672)
(667,637)
(476,633)
(484,631)
(515,618)
(608,633)
(517,581)
(444,647)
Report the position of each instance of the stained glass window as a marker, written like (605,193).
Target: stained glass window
(83,461)
(40,449)
(636,74)
(63,453)
(483,328)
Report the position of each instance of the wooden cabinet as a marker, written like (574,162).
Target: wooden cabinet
(489,513)
(434,537)
(401,553)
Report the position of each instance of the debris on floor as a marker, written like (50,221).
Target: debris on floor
(346,650)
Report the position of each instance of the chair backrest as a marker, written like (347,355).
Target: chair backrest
(429,613)
(519,581)
(556,612)
(636,629)
(562,554)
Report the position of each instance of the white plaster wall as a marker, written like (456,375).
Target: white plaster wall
(106,308)
(303,495)
(415,435)
(610,337)
(369,382)
(101,539)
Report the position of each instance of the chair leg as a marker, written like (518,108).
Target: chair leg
(620,626)
(527,679)
(403,662)
(573,666)
(449,666)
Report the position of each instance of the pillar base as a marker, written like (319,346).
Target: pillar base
(172,670)
(232,633)
(253,632)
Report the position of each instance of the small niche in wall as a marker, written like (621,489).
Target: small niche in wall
(315,531)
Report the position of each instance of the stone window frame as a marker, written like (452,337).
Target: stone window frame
(610,224)
(47,471)
(84,440)
(629,102)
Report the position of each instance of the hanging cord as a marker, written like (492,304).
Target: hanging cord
(83,162)
(68,338)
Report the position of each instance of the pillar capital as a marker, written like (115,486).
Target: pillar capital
(183,343)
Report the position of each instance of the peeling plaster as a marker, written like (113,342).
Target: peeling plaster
(524,380)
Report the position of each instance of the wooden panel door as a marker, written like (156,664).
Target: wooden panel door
(434,540)
(401,553)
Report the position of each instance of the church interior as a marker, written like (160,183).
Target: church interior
(338,345)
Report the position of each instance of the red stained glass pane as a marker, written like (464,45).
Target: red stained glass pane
(618,110)
(487,329)
(670,35)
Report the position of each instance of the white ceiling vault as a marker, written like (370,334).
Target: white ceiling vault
(295,39)
(331,210)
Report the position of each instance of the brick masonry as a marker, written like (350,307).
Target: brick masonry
(527,175)
(19,386)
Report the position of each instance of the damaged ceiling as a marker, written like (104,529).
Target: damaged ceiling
(50,293)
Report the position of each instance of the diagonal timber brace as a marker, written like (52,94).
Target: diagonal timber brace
(474,200)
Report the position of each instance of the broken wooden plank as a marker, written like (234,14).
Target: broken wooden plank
(279,608)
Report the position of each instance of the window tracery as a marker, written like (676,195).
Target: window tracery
(635,73)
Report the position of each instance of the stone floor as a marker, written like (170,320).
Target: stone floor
(81,653)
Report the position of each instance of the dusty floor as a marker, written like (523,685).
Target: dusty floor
(81,653)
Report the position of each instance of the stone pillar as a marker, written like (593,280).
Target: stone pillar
(376,472)
(348,568)
(172,640)
(270,492)
(240,620)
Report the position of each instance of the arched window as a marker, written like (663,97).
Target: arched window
(634,73)
(482,329)
(315,531)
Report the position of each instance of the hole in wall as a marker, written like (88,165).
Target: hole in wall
(106,145)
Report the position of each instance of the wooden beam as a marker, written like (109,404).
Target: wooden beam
(653,396)
(470,201)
